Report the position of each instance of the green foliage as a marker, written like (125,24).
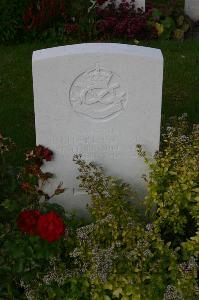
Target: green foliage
(8,182)
(25,259)
(79,14)
(60,20)
(119,253)
(102,189)
(11,12)
(173,185)
(125,257)
(183,25)
(170,21)
(41,20)
(164,25)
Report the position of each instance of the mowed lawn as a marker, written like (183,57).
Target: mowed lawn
(180,88)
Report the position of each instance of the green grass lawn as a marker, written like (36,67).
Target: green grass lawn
(180,89)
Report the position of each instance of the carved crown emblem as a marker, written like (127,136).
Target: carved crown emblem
(97,77)
(98,94)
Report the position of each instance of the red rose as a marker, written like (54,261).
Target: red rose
(50,227)
(43,153)
(38,154)
(47,154)
(27,221)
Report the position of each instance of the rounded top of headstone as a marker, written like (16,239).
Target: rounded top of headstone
(108,48)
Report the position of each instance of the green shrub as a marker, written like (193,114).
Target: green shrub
(170,21)
(152,260)
(119,253)
(173,185)
(61,20)
(11,21)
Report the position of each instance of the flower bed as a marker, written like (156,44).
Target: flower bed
(121,253)
(62,20)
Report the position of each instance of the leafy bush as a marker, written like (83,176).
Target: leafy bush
(11,22)
(119,253)
(7,175)
(41,16)
(86,20)
(33,232)
(170,21)
(174,186)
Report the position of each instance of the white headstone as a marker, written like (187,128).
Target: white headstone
(192,9)
(100,100)
(138,3)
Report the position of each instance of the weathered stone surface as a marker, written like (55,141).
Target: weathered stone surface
(100,100)
(192,9)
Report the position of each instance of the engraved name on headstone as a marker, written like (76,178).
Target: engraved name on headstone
(100,100)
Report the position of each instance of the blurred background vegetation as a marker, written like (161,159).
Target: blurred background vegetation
(180,88)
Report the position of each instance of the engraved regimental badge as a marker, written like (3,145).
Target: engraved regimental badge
(98,94)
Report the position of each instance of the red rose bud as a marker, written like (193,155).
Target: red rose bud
(50,227)
(27,221)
